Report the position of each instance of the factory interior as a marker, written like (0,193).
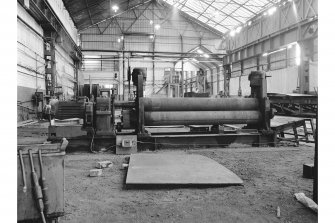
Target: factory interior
(166,111)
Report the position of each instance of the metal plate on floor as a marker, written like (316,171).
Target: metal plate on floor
(177,169)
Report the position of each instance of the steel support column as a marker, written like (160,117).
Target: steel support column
(226,75)
(307,50)
(50,62)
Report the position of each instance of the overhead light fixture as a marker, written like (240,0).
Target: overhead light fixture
(232,33)
(157,26)
(265,54)
(238,29)
(200,51)
(118,40)
(115,8)
(151,36)
(206,55)
(265,14)
(151,22)
(272,10)
(122,37)
(249,23)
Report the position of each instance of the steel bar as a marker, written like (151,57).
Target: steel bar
(200,104)
(23,172)
(201,117)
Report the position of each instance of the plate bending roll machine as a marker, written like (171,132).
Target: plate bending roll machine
(150,123)
(149,113)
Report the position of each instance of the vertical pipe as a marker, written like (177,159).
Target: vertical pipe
(123,70)
(218,80)
(191,80)
(205,79)
(182,67)
(153,65)
(212,82)
(129,78)
(100,62)
(225,93)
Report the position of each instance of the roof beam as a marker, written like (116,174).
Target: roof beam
(118,14)
(216,23)
(231,14)
(84,9)
(208,5)
(191,19)
(223,13)
(242,6)
(141,13)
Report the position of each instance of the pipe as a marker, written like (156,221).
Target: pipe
(23,172)
(150,52)
(201,118)
(43,182)
(200,104)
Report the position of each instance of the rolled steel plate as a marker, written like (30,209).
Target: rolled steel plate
(200,104)
(201,117)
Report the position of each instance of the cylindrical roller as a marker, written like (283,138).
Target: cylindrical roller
(201,117)
(200,104)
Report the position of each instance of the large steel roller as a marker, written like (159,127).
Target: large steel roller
(201,117)
(200,104)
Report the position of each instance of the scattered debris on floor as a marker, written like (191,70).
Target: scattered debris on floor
(124,166)
(95,172)
(104,164)
(306,201)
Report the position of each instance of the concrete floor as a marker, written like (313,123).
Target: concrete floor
(271,177)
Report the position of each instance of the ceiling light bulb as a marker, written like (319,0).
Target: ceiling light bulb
(249,23)
(206,55)
(115,8)
(119,40)
(272,10)
(200,51)
(122,37)
(238,29)
(151,22)
(157,26)
(151,36)
(232,33)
